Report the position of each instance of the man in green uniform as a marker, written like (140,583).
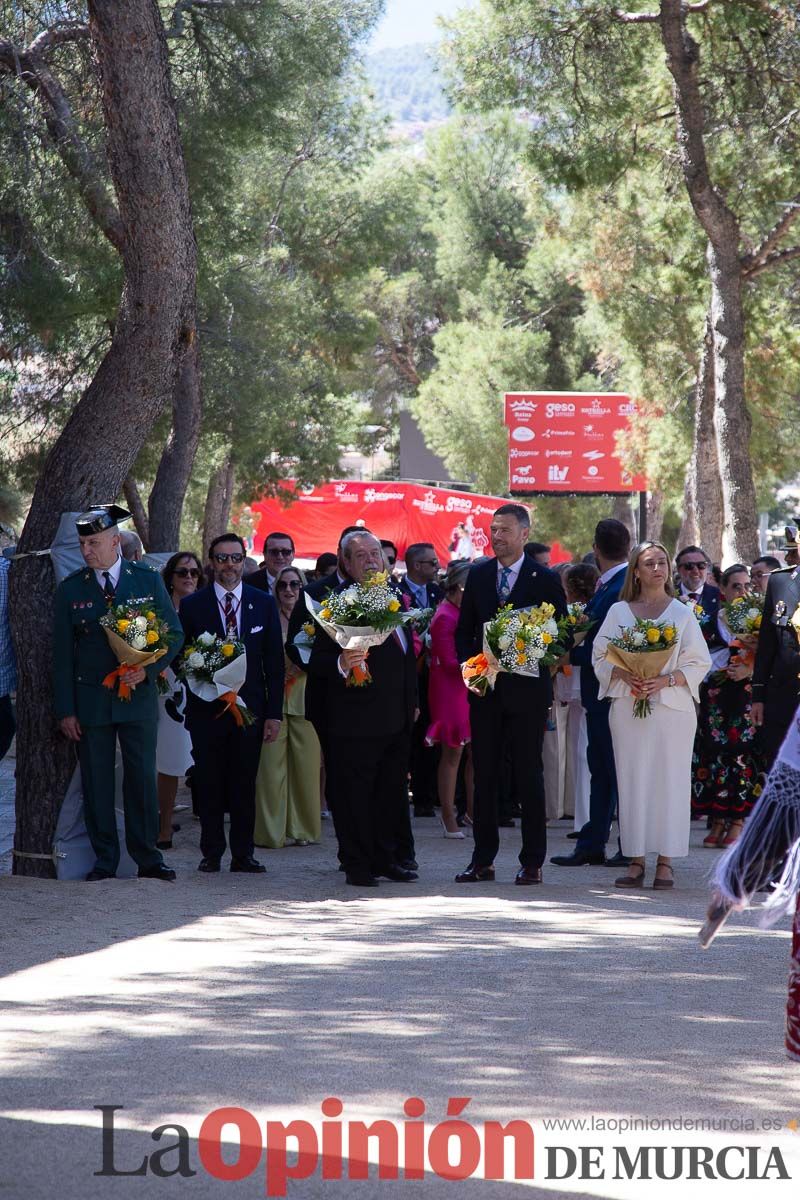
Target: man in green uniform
(93,715)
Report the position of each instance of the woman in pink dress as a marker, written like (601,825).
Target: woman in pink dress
(447,698)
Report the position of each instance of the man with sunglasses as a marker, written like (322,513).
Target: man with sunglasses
(278,553)
(760,572)
(694,569)
(227,755)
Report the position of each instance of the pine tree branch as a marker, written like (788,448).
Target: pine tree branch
(752,262)
(776,259)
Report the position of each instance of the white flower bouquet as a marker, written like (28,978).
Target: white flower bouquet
(215,669)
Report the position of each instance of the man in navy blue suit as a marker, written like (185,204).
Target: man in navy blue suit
(515,713)
(612,544)
(226,756)
(693,568)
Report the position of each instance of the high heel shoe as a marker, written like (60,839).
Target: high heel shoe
(732,834)
(448,834)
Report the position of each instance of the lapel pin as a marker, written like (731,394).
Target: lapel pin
(250,606)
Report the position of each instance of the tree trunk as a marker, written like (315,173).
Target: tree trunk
(175,468)
(688,534)
(218,503)
(705,482)
(133,499)
(721,227)
(655,515)
(622,511)
(98,447)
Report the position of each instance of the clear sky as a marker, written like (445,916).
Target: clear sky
(407,21)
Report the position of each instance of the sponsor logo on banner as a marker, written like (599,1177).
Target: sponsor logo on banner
(557,433)
(523,434)
(593,435)
(371,496)
(557,474)
(522,410)
(458,504)
(592,472)
(627,410)
(560,409)
(558,454)
(515,454)
(519,478)
(593,454)
(595,409)
(428,504)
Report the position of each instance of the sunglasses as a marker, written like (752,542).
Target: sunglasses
(687,566)
(391,561)
(279,553)
(284,585)
(427,562)
(185,572)
(223,558)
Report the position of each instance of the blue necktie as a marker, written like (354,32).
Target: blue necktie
(503,586)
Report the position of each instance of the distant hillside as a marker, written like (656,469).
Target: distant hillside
(406,84)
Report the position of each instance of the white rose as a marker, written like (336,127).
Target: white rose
(551,627)
(349,597)
(196,659)
(139,622)
(638,638)
(536,652)
(205,639)
(504,642)
(753,613)
(139,641)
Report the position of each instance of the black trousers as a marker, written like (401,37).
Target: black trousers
(424,759)
(226,762)
(370,786)
(780,705)
(7,725)
(490,723)
(603,781)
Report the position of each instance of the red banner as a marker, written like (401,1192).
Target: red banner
(567,442)
(457,523)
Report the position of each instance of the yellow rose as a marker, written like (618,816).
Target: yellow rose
(325,613)
(151,616)
(393,605)
(226,650)
(757,622)
(309,628)
(521,660)
(152,636)
(519,644)
(122,626)
(669,633)
(547,638)
(653,635)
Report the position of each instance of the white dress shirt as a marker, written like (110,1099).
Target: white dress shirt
(513,572)
(113,574)
(221,593)
(610,573)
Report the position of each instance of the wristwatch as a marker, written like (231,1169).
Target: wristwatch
(671,680)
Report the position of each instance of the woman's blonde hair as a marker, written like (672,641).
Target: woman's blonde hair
(631,588)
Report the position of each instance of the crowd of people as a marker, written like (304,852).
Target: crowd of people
(532,749)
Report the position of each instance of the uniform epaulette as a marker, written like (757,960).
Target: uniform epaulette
(782,570)
(74,574)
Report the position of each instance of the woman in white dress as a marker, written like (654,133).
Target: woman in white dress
(653,755)
(181,575)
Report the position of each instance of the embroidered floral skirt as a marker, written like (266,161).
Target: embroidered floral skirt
(793,1001)
(725,765)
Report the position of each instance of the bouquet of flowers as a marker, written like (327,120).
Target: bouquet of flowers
(138,635)
(700,613)
(215,669)
(363,615)
(304,640)
(643,649)
(518,641)
(578,622)
(743,617)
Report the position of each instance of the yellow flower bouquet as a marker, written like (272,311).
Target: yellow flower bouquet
(644,649)
(138,635)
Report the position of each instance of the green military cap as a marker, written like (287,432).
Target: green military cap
(100,517)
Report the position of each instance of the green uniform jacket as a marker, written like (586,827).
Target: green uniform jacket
(82,656)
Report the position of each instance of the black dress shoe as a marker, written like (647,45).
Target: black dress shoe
(248,865)
(159,871)
(578,858)
(529,875)
(208,865)
(409,864)
(357,880)
(573,837)
(176,828)
(96,873)
(475,874)
(619,860)
(507,823)
(397,874)
(164,845)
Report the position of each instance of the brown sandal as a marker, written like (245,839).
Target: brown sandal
(631,881)
(663,884)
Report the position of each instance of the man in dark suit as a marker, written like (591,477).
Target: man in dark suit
(368,731)
(693,568)
(419,589)
(518,706)
(278,554)
(226,756)
(775,685)
(612,544)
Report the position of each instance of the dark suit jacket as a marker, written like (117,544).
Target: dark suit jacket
(777,662)
(259,580)
(378,709)
(710,600)
(262,690)
(535,585)
(434,593)
(581,656)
